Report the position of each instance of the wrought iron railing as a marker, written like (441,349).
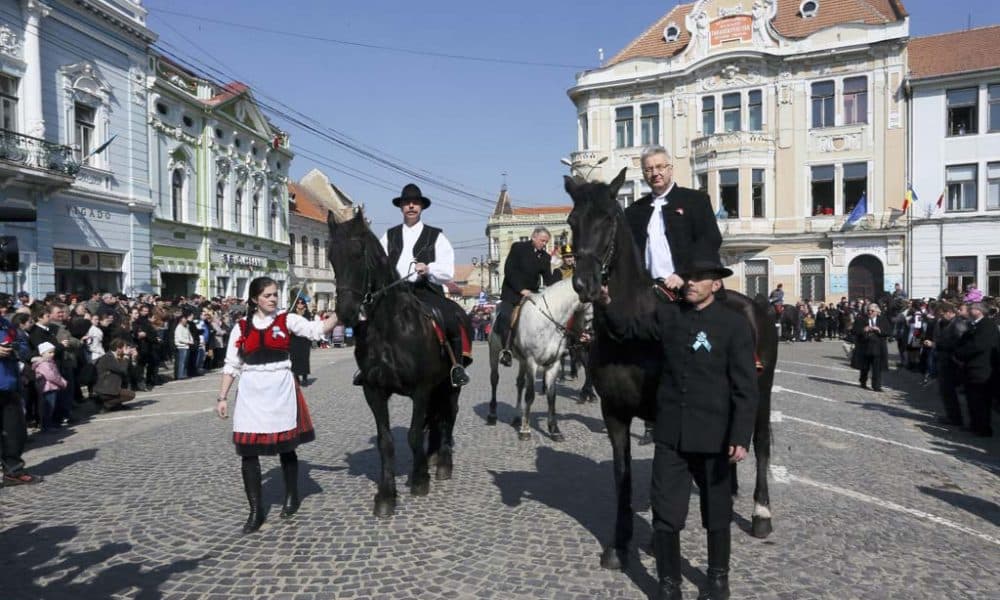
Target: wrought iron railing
(34,152)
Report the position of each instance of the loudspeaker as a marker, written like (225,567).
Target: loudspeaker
(9,257)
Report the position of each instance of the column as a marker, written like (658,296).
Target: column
(34,12)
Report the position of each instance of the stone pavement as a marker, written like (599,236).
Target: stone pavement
(871,499)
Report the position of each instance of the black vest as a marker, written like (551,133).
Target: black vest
(423,249)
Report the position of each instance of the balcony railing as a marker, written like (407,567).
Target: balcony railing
(37,153)
(730,141)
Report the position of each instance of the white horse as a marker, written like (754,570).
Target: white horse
(538,342)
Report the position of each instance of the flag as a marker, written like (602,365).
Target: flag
(860,210)
(940,201)
(100,148)
(909,198)
(721,213)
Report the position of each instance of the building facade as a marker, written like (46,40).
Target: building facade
(955,156)
(787,113)
(72,78)
(308,242)
(219,186)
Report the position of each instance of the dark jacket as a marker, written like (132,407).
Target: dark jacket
(41,333)
(707,399)
(872,344)
(524,269)
(979,350)
(111,375)
(691,227)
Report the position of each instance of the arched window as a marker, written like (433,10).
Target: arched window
(177,194)
(305,251)
(291,249)
(238,210)
(274,221)
(316,261)
(255,215)
(220,207)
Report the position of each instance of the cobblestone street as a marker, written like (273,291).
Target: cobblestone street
(871,499)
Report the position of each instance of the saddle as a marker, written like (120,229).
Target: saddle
(433,314)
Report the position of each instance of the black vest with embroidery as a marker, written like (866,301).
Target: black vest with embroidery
(423,248)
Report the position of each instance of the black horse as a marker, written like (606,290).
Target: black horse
(398,353)
(627,372)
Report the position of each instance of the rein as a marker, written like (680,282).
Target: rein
(609,252)
(574,341)
(368,295)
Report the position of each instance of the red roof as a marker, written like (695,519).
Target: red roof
(305,205)
(956,52)
(543,210)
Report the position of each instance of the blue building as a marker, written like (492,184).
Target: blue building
(72,77)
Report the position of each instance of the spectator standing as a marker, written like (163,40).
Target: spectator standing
(49,383)
(777,297)
(945,340)
(300,347)
(147,343)
(182,344)
(871,350)
(973,294)
(14,349)
(979,351)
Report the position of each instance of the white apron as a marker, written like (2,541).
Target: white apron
(265,399)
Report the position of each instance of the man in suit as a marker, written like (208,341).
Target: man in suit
(979,351)
(943,342)
(527,266)
(871,349)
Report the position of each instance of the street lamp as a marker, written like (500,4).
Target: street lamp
(576,166)
(481,262)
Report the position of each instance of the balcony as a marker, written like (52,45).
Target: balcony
(35,161)
(712,146)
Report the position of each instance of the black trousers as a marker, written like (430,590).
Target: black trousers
(673,472)
(979,397)
(874,364)
(501,324)
(947,382)
(13,431)
(453,317)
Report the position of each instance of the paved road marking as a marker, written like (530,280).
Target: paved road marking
(819,377)
(143,396)
(778,388)
(781,475)
(792,362)
(778,417)
(146,416)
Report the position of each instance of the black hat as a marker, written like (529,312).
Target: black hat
(411,192)
(713,266)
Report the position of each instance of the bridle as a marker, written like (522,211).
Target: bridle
(609,252)
(370,296)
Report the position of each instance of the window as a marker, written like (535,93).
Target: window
(993,276)
(220,206)
(291,249)
(757,191)
(316,261)
(755,111)
(708,115)
(963,105)
(8,103)
(960,271)
(822,190)
(701,182)
(731,111)
(813,271)
(994,115)
(855,100)
(177,194)
(85,117)
(584,132)
(275,225)
(822,104)
(238,210)
(626,194)
(649,124)
(729,193)
(961,180)
(855,184)
(756,272)
(255,214)
(624,135)
(993,186)
(221,286)
(305,251)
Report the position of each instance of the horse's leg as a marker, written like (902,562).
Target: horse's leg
(587,391)
(420,480)
(550,395)
(516,423)
(615,555)
(449,414)
(435,436)
(385,499)
(526,383)
(494,347)
(761,522)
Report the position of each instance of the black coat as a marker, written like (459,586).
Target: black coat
(871,344)
(979,351)
(39,334)
(111,375)
(707,399)
(691,227)
(525,269)
(299,349)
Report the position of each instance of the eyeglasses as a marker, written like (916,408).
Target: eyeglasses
(656,169)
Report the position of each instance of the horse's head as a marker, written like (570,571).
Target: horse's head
(355,255)
(594,221)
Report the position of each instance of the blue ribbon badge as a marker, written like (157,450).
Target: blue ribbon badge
(701,341)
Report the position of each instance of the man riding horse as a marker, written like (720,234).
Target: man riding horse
(526,265)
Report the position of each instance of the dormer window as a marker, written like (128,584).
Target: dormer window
(671,32)
(809,8)
(188,121)
(218,133)
(162,108)
(236,142)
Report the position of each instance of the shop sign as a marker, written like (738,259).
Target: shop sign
(110,262)
(62,259)
(244,260)
(729,29)
(85,261)
(88,213)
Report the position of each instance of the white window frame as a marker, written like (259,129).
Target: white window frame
(83,84)
(993,185)
(179,161)
(10,105)
(975,194)
(614,126)
(826,276)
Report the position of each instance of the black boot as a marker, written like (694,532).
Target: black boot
(458,376)
(506,358)
(251,483)
(717,587)
(667,547)
(290,471)
(358,378)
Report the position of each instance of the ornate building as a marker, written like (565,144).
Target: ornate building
(787,113)
(308,241)
(219,183)
(508,224)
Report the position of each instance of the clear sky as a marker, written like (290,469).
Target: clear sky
(461,122)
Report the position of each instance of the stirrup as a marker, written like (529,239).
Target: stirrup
(358,379)
(506,358)
(458,376)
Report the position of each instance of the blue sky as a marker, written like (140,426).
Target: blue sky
(464,122)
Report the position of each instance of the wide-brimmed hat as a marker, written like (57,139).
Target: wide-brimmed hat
(411,192)
(711,266)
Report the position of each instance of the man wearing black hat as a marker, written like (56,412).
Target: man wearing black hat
(424,255)
(705,410)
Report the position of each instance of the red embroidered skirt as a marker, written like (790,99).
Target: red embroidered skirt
(256,444)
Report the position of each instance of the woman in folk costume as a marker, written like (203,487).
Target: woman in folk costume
(270,416)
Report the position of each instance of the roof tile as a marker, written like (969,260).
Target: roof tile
(956,52)
(305,205)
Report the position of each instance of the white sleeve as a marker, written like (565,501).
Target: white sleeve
(305,328)
(233,363)
(442,270)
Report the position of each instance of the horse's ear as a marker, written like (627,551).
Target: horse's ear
(617,182)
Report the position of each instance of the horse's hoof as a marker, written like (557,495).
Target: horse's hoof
(613,559)
(432,459)
(524,435)
(421,488)
(558,437)
(761,527)
(491,419)
(384,507)
(516,423)
(443,472)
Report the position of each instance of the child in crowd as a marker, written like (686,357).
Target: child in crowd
(48,382)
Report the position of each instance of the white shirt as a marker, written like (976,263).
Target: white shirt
(441,271)
(659,260)
(95,343)
(296,324)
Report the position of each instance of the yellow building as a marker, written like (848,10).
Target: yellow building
(787,113)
